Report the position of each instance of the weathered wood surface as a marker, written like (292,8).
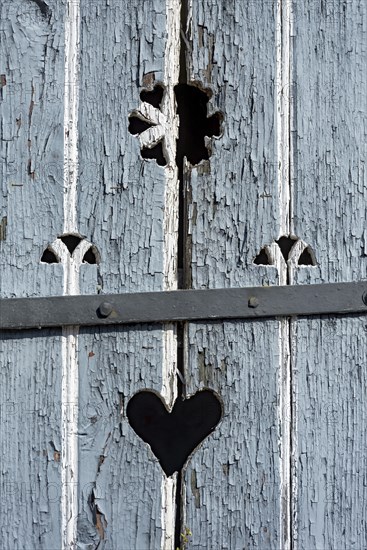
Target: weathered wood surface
(31,209)
(32,65)
(121,209)
(233,481)
(330,438)
(236,485)
(30,440)
(330,196)
(120,502)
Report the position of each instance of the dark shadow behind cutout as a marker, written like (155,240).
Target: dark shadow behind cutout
(306,258)
(71,242)
(153,97)
(156,153)
(138,125)
(262,258)
(194,123)
(90,257)
(49,257)
(286,244)
(174,435)
(45,10)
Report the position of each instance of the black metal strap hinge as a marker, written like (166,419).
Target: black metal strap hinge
(184,305)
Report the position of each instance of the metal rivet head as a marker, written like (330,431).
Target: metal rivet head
(253,302)
(105,309)
(364,298)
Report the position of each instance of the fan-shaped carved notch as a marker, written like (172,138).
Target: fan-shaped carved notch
(262,258)
(307,257)
(138,125)
(71,242)
(49,257)
(91,256)
(71,246)
(288,249)
(286,244)
(156,153)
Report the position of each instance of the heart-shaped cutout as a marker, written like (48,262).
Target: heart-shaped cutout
(173,435)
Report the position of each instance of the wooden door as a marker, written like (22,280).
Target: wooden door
(153,146)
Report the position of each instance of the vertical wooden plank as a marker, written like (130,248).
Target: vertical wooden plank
(330,192)
(31,200)
(232,482)
(128,208)
(30,401)
(235,482)
(331,441)
(31,145)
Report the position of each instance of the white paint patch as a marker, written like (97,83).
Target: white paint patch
(170,248)
(284,415)
(283,98)
(169,512)
(69,418)
(171,75)
(71,112)
(70,379)
(69,431)
(70,396)
(294,440)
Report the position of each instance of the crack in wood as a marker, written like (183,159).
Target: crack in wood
(3,225)
(99,518)
(44,8)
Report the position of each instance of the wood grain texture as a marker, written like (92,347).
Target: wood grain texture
(330,193)
(232,482)
(233,206)
(330,383)
(121,210)
(31,146)
(120,195)
(31,191)
(329,138)
(30,402)
(120,479)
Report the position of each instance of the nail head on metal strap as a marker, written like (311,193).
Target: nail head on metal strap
(253,302)
(105,309)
